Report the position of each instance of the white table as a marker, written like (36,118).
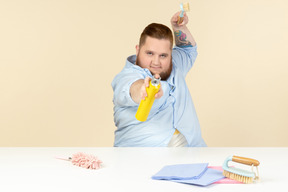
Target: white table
(130,169)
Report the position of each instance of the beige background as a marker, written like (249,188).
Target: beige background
(58,58)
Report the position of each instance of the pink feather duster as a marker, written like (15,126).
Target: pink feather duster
(84,160)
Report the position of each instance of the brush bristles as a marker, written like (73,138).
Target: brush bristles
(186,7)
(237,177)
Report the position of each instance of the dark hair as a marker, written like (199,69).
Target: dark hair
(157,31)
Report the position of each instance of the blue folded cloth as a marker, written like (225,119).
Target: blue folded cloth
(181,171)
(210,176)
(196,174)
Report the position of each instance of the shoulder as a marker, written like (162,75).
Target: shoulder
(130,73)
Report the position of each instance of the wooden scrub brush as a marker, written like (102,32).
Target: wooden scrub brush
(184,8)
(241,175)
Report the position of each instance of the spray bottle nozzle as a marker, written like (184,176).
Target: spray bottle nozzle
(155,81)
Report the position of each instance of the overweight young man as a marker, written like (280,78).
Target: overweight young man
(172,121)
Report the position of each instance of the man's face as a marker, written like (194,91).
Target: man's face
(155,55)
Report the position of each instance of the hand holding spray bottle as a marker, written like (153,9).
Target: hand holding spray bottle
(146,104)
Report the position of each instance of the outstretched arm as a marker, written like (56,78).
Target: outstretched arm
(138,89)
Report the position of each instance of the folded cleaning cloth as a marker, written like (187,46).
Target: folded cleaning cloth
(195,174)
(181,171)
(210,176)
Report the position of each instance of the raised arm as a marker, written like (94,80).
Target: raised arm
(182,35)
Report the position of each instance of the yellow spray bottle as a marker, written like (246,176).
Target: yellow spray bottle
(146,104)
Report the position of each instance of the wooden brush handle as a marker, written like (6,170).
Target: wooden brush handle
(180,20)
(246,161)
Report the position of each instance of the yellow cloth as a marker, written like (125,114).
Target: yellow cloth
(176,132)
(177,140)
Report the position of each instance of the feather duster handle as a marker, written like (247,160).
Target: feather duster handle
(84,160)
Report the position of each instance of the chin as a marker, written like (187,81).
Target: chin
(164,75)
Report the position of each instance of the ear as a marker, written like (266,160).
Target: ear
(137,49)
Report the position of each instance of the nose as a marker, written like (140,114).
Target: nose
(156,60)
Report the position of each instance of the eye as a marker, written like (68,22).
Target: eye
(163,55)
(149,53)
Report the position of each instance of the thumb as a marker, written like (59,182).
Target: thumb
(146,81)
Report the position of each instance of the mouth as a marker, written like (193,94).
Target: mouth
(156,70)
(156,67)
